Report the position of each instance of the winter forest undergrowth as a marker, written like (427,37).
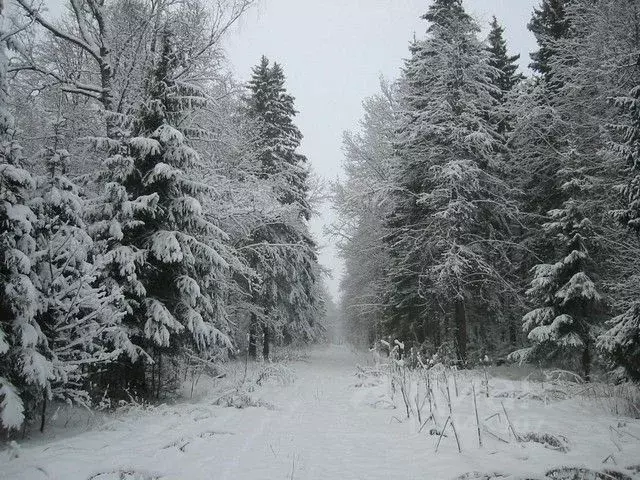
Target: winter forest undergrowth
(161,298)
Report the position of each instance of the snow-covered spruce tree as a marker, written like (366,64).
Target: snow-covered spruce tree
(565,294)
(506,81)
(538,133)
(282,252)
(549,24)
(536,136)
(565,291)
(79,319)
(279,138)
(621,343)
(589,64)
(505,76)
(452,207)
(24,370)
(159,247)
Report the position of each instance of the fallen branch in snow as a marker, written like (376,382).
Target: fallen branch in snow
(493,434)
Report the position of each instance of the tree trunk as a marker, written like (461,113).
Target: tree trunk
(287,339)
(153,371)
(460,315)
(159,381)
(586,362)
(513,331)
(44,410)
(106,96)
(253,334)
(437,332)
(265,344)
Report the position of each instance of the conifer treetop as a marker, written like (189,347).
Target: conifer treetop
(549,24)
(441,12)
(278,140)
(500,58)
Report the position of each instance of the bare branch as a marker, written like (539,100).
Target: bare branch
(57,32)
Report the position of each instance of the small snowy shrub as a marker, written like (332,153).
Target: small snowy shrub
(552,442)
(578,473)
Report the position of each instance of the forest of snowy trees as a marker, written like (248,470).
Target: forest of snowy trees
(153,210)
(487,215)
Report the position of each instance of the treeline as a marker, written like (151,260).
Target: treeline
(153,212)
(485,214)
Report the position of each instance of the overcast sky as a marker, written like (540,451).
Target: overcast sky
(333,53)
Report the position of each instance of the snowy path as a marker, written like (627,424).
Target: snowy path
(322,433)
(320,428)
(315,431)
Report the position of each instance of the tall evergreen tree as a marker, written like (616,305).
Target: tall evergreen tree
(279,138)
(506,81)
(580,253)
(451,204)
(505,76)
(284,254)
(79,319)
(163,252)
(548,24)
(564,292)
(24,370)
(621,342)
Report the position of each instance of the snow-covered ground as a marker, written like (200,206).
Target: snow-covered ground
(322,421)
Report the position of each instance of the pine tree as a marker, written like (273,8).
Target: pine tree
(24,370)
(536,142)
(580,80)
(451,205)
(505,77)
(548,24)
(279,138)
(283,254)
(159,247)
(565,292)
(621,342)
(79,319)
(506,82)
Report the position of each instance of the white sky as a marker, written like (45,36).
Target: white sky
(333,53)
